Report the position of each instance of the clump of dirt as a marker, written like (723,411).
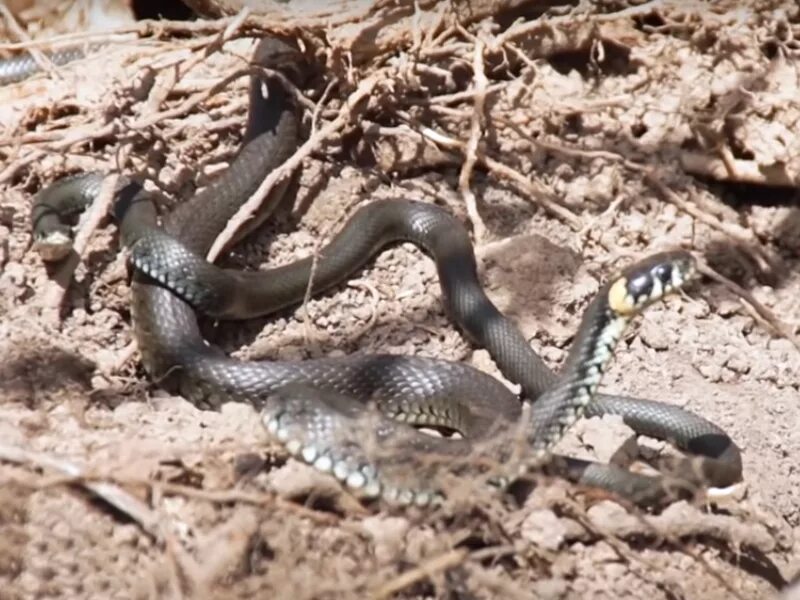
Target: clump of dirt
(569,143)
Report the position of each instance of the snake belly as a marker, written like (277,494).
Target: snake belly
(406,388)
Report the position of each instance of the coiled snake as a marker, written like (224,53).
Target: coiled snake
(316,407)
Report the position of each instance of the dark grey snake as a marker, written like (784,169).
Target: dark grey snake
(316,407)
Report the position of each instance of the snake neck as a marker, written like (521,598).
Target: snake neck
(269,139)
(563,404)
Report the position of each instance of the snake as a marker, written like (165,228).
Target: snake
(312,406)
(22,66)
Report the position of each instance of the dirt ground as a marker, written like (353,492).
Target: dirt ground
(643,127)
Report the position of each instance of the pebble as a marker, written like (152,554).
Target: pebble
(388,536)
(543,529)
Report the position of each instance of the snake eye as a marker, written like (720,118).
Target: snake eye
(664,273)
(640,287)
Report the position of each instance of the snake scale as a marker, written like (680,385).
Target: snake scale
(316,408)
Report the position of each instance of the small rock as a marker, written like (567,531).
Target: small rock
(727,308)
(566,563)
(550,589)
(238,412)
(607,512)
(711,372)
(106,359)
(388,536)
(15,273)
(295,479)
(126,535)
(553,355)
(4,233)
(11,434)
(738,364)
(543,529)
(653,335)
(605,437)
(604,552)
(482,360)
(422,543)
(781,345)
(248,465)
(362,312)
(290,353)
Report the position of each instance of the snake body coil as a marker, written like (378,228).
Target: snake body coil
(306,402)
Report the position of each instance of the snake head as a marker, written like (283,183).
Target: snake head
(284,56)
(648,280)
(55,244)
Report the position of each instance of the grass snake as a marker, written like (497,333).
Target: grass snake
(316,408)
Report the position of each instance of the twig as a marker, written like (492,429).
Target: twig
(123,357)
(461,96)
(536,190)
(66,141)
(737,233)
(363,284)
(614,533)
(87,134)
(543,195)
(319,105)
(142,28)
(471,148)
(109,492)
(253,204)
(740,235)
(188,104)
(240,496)
(217,42)
(323,238)
(438,564)
(778,326)
(306,313)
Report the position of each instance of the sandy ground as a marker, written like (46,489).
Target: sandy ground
(238,518)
